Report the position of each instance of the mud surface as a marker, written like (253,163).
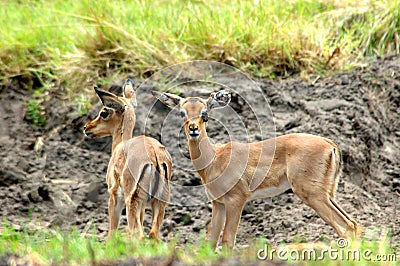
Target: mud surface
(55,177)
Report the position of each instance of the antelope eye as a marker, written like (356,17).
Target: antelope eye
(183,113)
(204,116)
(104,114)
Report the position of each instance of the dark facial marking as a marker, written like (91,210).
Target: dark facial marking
(104,113)
(204,115)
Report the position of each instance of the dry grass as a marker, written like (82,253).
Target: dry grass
(75,44)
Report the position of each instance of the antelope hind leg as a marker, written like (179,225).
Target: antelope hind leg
(158,209)
(333,215)
(134,212)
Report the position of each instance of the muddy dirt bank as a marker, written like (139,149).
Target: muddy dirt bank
(61,182)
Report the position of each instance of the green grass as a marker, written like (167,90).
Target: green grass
(47,247)
(80,43)
(82,104)
(71,248)
(35,112)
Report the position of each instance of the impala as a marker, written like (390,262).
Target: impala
(139,170)
(235,173)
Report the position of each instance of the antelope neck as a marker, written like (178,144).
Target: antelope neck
(202,153)
(123,131)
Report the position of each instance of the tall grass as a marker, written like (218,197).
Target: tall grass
(78,43)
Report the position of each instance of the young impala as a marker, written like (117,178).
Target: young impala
(235,173)
(139,170)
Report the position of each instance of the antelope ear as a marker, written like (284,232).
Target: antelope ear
(169,99)
(110,100)
(219,99)
(129,91)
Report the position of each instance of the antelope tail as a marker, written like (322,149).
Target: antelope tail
(338,166)
(158,180)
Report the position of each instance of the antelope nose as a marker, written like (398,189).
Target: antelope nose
(193,127)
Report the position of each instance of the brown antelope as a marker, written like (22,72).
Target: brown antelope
(139,170)
(235,173)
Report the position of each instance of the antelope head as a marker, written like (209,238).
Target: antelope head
(194,110)
(112,113)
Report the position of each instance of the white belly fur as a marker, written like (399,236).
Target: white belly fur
(270,191)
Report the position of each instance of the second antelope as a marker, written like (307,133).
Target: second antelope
(139,170)
(235,173)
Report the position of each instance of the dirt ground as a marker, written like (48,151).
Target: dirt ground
(61,183)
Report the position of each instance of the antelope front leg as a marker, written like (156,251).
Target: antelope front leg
(114,213)
(217,221)
(233,214)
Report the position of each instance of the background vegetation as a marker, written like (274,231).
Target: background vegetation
(79,43)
